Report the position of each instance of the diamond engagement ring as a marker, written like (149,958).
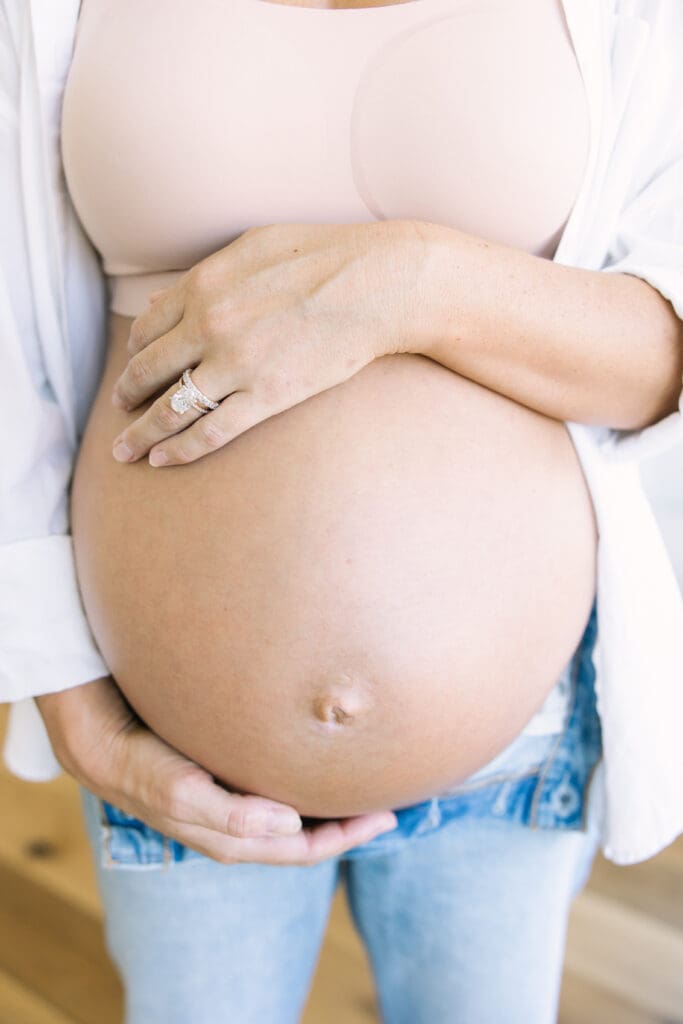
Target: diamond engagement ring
(188,396)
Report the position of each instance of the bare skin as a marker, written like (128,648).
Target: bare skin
(333,610)
(103,745)
(331,766)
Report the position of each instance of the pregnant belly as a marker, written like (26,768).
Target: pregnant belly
(351,606)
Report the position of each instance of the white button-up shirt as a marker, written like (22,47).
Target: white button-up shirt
(628,218)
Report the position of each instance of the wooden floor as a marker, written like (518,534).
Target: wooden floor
(624,962)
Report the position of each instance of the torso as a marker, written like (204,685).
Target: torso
(469,113)
(361,600)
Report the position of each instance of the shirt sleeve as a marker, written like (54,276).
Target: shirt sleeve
(648,240)
(28,752)
(45,639)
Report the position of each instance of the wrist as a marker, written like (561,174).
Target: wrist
(52,707)
(442,272)
(81,721)
(49,706)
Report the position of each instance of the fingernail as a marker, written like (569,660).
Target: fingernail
(117,400)
(158,458)
(282,823)
(121,452)
(388,824)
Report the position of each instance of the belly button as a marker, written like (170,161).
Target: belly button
(330,711)
(341,704)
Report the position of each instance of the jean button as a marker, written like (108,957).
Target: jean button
(565,800)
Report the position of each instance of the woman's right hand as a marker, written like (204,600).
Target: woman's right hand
(98,739)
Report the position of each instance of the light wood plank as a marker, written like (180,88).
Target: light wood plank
(654,887)
(43,836)
(584,1003)
(343,990)
(627,952)
(624,960)
(18,1005)
(56,951)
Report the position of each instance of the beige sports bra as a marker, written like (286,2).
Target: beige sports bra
(186,122)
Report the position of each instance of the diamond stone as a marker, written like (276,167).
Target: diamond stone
(182,399)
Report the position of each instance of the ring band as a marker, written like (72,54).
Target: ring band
(188,396)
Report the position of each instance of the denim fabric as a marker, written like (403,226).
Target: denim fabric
(466,925)
(537,781)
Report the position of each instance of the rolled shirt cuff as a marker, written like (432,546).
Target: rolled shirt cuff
(27,751)
(46,641)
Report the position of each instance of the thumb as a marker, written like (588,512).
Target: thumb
(206,803)
(194,798)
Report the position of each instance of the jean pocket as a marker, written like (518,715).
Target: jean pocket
(123,841)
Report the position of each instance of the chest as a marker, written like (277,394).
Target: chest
(184,124)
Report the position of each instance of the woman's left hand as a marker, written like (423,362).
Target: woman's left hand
(282,313)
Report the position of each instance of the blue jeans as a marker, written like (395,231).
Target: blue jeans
(462,908)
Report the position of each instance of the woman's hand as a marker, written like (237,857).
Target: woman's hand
(280,314)
(99,740)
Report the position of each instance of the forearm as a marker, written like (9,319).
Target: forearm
(575,344)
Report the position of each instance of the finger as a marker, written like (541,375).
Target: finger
(164,785)
(159,318)
(237,413)
(307,847)
(312,845)
(335,837)
(158,364)
(160,421)
(195,799)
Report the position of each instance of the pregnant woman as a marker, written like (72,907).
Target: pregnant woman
(334,538)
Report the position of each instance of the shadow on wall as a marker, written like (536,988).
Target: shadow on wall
(663,481)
